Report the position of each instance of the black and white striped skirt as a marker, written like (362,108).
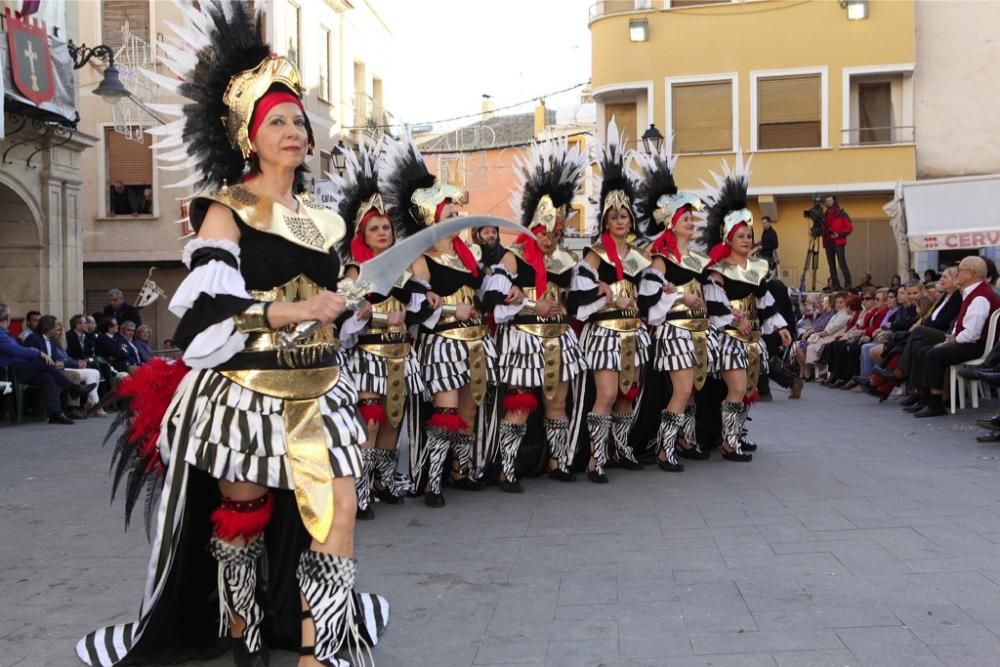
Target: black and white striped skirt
(238,434)
(522,357)
(444,362)
(370,372)
(673,348)
(602,347)
(733,353)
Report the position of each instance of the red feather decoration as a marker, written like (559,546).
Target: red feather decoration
(149,391)
(521,401)
(448,422)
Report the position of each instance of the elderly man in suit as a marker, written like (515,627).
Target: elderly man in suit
(118,309)
(48,340)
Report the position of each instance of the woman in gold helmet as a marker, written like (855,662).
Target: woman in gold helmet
(260,429)
(671,297)
(603,295)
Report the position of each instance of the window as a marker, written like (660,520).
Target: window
(121,18)
(324,64)
(292,29)
(129,169)
(789,112)
(877,105)
(875,112)
(702,116)
(325,164)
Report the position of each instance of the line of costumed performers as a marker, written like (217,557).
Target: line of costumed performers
(313,339)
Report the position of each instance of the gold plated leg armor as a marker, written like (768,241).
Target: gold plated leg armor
(477,370)
(753,367)
(700,340)
(552,354)
(310,460)
(626,375)
(395,390)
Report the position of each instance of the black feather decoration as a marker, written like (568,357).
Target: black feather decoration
(357,185)
(403,174)
(551,168)
(615,174)
(728,194)
(658,180)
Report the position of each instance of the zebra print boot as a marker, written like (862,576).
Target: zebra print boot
(731,426)
(690,435)
(746,443)
(511,436)
(621,425)
(385,467)
(666,441)
(598,428)
(238,598)
(557,434)
(363,485)
(438,444)
(461,446)
(327,584)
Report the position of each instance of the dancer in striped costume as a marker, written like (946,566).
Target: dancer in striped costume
(383,362)
(739,303)
(671,297)
(256,444)
(455,351)
(603,295)
(537,348)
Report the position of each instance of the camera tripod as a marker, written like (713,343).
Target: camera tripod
(810,263)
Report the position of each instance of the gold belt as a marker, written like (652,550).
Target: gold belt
(689,324)
(395,355)
(749,339)
(467,333)
(305,436)
(544,330)
(621,325)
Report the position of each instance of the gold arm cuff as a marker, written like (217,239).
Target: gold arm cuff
(253,319)
(379,320)
(529,307)
(449,310)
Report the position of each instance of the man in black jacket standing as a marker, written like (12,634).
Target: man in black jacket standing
(119,310)
(767,247)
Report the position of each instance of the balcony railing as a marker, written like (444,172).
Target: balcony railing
(606,7)
(877,136)
(369,115)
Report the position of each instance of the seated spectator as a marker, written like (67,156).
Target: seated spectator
(29,325)
(831,332)
(823,313)
(931,276)
(48,339)
(141,342)
(843,355)
(118,309)
(932,291)
(79,339)
(895,282)
(37,368)
(964,342)
(126,334)
(866,282)
(828,354)
(109,346)
(120,200)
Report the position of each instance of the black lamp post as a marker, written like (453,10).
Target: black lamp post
(652,140)
(339,157)
(111,87)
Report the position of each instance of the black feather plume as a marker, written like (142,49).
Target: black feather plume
(728,194)
(615,175)
(403,174)
(551,168)
(658,180)
(357,185)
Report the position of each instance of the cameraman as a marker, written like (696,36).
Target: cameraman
(837,226)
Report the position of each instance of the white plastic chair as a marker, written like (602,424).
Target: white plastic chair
(957,383)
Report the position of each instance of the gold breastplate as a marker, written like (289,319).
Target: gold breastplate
(616,318)
(749,307)
(307,352)
(471,330)
(695,320)
(395,334)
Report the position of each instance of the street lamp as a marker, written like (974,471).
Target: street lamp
(111,88)
(652,140)
(638,30)
(339,157)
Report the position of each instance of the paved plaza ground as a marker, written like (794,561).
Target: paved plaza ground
(857,536)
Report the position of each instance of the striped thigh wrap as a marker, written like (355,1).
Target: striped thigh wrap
(522,360)
(445,362)
(673,348)
(602,347)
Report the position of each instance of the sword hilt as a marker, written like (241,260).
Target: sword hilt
(354,295)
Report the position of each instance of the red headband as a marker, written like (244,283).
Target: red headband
(720,251)
(268,102)
(678,213)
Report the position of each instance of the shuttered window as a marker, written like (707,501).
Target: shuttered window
(702,116)
(124,16)
(128,161)
(694,3)
(789,113)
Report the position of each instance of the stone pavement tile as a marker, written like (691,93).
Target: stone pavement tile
(866,557)
(743,545)
(652,629)
(823,519)
(575,590)
(771,593)
(834,658)
(788,529)
(511,652)
(888,646)
(722,660)
(969,654)
(826,615)
(715,607)
(953,537)
(941,624)
(789,639)
(587,653)
(790,564)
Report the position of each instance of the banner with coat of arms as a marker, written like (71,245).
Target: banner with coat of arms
(30,60)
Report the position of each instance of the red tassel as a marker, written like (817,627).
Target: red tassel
(149,391)
(751,399)
(231,523)
(448,422)
(520,401)
(372,413)
(630,395)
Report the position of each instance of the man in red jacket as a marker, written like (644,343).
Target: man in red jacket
(965,341)
(837,226)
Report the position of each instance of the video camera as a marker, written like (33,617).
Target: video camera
(816,217)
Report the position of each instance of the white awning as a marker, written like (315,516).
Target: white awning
(953,213)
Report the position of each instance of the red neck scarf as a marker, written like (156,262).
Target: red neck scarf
(667,241)
(458,245)
(609,247)
(534,256)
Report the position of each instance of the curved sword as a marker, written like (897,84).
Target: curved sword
(379,274)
